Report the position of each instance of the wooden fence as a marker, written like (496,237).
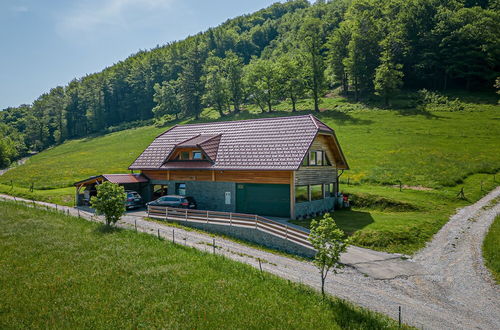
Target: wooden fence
(232,219)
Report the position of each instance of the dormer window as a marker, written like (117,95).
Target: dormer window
(197,155)
(184,155)
(316,158)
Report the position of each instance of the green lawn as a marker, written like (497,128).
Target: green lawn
(491,249)
(384,218)
(63,272)
(441,150)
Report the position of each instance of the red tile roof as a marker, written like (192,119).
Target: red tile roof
(125,178)
(115,178)
(257,144)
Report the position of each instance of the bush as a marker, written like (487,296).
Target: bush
(429,100)
(110,201)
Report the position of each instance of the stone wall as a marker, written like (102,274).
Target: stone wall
(255,236)
(307,209)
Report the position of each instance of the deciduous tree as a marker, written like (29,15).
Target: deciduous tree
(330,242)
(110,202)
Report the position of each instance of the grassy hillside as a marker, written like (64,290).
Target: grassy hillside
(63,272)
(382,146)
(491,252)
(439,150)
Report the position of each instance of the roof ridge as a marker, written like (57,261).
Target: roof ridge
(240,120)
(189,139)
(314,121)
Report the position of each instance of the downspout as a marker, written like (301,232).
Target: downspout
(338,180)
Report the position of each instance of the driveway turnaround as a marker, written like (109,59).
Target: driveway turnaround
(444,286)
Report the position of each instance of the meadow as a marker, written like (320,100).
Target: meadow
(491,252)
(64,272)
(439,150)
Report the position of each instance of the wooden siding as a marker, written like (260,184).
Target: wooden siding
(315,175)
(278,177)
(318,174)
(275,177)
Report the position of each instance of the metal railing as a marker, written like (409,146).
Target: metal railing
(242,220)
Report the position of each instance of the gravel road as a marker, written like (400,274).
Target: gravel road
(453,290)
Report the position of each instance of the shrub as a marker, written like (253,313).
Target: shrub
(429,100)
(110,201)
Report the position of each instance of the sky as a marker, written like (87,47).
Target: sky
(47,43)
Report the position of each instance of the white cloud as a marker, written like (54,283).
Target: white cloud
(93,16)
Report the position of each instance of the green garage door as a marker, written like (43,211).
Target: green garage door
(263,199)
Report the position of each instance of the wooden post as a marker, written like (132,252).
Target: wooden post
(230,219)
(135,224)
(166,213)
(256,221)
(173,236)
(260,265)
(207,216)
(158,233)
(186,215)
(399,317)
(214,245)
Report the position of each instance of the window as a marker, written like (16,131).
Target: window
(329,190)
(184,155)
(197,155)
(327,161)
(312,158)
(316,192)
(319,158)
(301,194)
(180,189)
(305,162)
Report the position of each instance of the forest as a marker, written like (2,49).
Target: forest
(288,51)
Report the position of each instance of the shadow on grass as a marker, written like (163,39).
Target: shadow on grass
(348,220)
(105,229)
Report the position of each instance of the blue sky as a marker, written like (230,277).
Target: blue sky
(46,43)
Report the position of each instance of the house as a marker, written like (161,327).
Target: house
(283,167)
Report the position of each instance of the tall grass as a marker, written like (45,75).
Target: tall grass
(63,272)
(491,249)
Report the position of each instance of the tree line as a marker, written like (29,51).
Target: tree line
(288,51)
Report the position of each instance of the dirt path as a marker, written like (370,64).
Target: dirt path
(454,291)
(18,162)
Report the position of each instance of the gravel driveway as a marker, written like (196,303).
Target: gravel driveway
(453,290)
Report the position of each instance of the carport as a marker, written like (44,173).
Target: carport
(85,189)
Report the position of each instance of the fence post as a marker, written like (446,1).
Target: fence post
(186,214)
(256,221)
(148,211)
(166,213)
(214,244)
(135,224)
(207,216)
(230,219)
(173,236)
(400,316)
(158,233)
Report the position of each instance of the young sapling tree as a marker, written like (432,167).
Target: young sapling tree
(110,202)
(330,242)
